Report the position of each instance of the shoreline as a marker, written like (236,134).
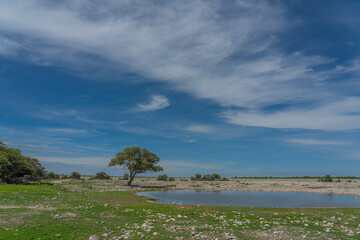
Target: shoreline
(289,185)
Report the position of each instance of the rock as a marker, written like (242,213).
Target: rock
(94,237)
(69,214)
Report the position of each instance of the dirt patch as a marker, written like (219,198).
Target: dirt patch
(283,233)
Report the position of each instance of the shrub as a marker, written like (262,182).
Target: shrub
(326,178)
(163,177)
(215,177)
(51,175)
(197,176)
(126,176)
(75,175)
(171,179)
(224,179)
(101,175)
(206,177)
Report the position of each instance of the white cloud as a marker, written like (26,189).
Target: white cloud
(190,140)
(156,102)
(197,128)
(340,115)
(310,141)
(8,47)
(64,130)
(231,56)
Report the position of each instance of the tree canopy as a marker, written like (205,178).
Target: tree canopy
(13,164)
(136,160)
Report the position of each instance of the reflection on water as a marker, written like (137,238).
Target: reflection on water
(255,199)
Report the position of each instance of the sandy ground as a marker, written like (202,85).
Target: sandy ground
(271,185)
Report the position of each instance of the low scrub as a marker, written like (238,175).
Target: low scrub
(208,177)
(165,177)
(75,175)
(326,178)
(102,176)
(52,175)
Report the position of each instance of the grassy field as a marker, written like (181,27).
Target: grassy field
(59,211)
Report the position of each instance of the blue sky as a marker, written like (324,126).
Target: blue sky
(240,88)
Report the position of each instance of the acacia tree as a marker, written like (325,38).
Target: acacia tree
(136,160)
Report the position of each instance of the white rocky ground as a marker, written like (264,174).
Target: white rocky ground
(273,185)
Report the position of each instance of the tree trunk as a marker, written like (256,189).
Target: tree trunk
(132,176)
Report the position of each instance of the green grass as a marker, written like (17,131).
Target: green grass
(54,212)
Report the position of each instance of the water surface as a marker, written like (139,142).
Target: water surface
(255,199)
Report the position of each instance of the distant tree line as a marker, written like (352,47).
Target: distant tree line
(208,177)
(296,177)
(13,164)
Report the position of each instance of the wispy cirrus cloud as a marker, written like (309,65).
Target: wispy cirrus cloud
(88,160)
(193,47)
(156,102)
(65,130)
(311,141)
(337,115)
(199,128)
(189,140)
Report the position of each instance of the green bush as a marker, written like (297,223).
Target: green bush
(75,175)
(326,178)
(63,176)
(198,176)
(51,175)
(101,175)
(215,177)
(206,177)
(163,177)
